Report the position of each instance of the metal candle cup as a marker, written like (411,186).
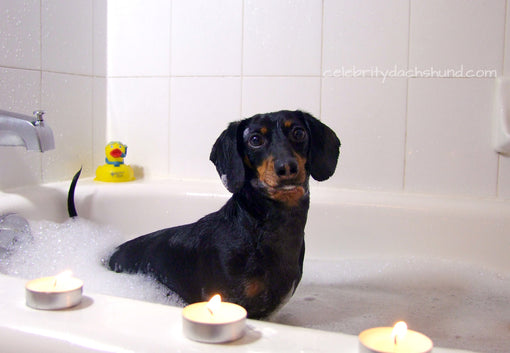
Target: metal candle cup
(53,293)
(224,323)
(384,340)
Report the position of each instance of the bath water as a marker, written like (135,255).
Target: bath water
(457,305)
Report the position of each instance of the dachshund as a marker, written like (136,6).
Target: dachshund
(250,251)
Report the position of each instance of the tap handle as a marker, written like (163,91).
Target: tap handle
(38,116)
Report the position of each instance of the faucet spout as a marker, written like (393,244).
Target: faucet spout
(23,130)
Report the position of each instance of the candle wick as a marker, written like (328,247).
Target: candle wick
(54,283)
(395,340)
(210,311)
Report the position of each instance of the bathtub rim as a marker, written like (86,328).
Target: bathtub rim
(136,326)
(443,226)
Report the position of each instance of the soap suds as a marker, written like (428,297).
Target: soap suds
(80,246)
(457,305)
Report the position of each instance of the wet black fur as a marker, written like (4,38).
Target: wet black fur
(251,250)
(71,209)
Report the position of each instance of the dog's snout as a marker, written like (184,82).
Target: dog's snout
(287,168)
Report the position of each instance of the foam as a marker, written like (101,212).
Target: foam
(458,305)
(80,246)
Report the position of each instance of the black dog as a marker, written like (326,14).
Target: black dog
(251,250)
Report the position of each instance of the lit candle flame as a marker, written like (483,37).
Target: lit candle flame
(399,331)
(214,304)
(60,276)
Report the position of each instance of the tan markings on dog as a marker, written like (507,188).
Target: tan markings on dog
(277,191)
(263,130)
(291,197)
(254,287)
(287,123)
(288,197)
(267,173)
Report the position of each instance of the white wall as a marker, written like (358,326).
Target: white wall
(53,57)
(165,77)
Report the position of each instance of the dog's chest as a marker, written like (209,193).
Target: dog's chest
(282,236)
(274,263)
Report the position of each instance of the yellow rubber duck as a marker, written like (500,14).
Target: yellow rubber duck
(115,170)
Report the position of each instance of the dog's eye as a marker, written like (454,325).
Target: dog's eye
(256,140)
(298,134)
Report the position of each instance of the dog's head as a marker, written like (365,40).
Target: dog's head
(276,153)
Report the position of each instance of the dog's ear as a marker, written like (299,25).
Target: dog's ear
(227,160)
(324,148)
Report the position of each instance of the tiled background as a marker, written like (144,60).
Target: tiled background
(166,76)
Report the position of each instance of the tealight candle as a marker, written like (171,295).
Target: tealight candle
(214,321)
(53,293)
(397,339)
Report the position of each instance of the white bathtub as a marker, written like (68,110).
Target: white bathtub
(342,224)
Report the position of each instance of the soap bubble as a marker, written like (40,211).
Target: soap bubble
(82,247)
(456,304)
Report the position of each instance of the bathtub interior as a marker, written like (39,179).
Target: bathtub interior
(371,258)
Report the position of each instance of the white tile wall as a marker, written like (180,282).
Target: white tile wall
(20,34)
(67,32)
(449,148)
(52,50)
(166,76)
(206,37)
(99,113)
(20,93)
(100,37)
(506,56)
(267,94)
(456,34)
(504,162)
(138,113)
(138,37)
(365,34)
(21,90)
(282,37)
(504,178)
(201,108)
(67,99)
(370,118)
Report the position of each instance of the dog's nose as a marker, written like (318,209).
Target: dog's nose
(286,169)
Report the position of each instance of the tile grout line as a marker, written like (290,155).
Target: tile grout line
(404,164)
(41,169)
(241,78)
(170,78)
(321,65)
(498,166)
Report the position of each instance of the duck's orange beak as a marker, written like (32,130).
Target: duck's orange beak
(116,153)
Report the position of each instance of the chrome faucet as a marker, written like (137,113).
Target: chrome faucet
(23,130)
